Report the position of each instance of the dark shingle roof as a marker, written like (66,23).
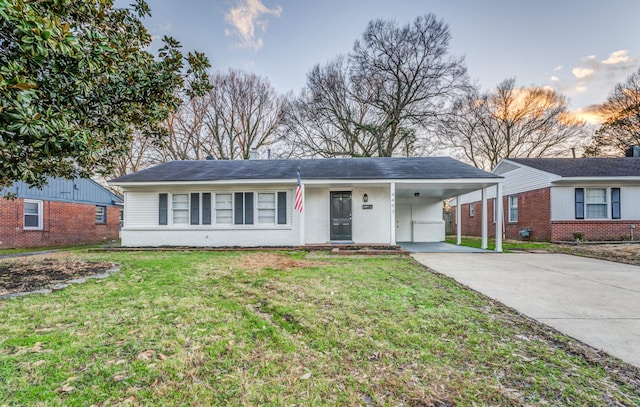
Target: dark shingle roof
(585,167)
(338,168)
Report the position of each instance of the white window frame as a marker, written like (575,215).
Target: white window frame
(605,204)
(174,210)
(214,204)
(39,214)
(260,210)
(103,218)
(511,199)
(472,210)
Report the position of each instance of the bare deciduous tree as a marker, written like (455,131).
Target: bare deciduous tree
(384,98)
(243,112)
(510,122)
(621,128)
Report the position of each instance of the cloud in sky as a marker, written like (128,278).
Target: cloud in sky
(248,17)
(593,75)
(617,57)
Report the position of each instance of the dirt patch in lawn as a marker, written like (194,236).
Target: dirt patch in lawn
(31,274)
(257,261)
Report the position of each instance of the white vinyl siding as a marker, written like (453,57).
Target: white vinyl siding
(563,201)
(224,209)
(266,208)
(180,209)
(32,214)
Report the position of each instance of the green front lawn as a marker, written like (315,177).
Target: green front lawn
(213,328)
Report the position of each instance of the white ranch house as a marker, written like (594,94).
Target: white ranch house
(382,201)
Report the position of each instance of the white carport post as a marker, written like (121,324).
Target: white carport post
(458,221)
(499,215)
(392,213)
(485,241)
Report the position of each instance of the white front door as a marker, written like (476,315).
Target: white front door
(403,223)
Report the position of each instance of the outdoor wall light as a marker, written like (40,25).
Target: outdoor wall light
(417,194)
(365,198)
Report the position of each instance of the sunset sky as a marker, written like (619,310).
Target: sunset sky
(581,48)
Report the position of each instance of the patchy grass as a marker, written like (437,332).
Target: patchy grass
(214,328)
(507,245)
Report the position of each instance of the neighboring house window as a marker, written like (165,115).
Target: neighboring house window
(32,214)
(195,208)
(101,214)
(180,208)
(121,218)
(513,208)
(596,203)
(615,203)
(266,207)
(472,210)
(224,209)
(243,208)
(495,210)
(591,203)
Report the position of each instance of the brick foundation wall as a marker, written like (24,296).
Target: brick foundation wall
(595,229)
(63,223)
(534,212)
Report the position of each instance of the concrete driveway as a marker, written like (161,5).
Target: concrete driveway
(594,301)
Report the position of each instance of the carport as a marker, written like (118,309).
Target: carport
(407,224)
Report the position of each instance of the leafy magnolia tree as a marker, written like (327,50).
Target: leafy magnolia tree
(76,80)
(509,122)
(386,97)
(621,127)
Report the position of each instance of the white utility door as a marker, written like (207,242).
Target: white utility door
(403,223)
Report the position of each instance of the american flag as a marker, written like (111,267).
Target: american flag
(298,205)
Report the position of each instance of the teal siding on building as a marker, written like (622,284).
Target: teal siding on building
(77,190)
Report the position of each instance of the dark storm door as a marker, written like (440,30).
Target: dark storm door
(340,216)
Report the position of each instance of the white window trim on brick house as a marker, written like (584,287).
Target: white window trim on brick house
(512,203)
(38,214)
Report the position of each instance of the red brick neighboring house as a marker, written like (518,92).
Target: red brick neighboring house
(561,199)
(64,212)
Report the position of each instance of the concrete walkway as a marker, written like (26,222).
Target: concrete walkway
(594,301)
(439,247)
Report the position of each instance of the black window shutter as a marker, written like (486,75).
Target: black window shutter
(615,203)
(579,203)
(238,206)
(248,208)
(206,208)
(195,208)
(282,208)
(162,205)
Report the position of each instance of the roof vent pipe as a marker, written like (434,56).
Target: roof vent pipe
(209,158)
(633,151)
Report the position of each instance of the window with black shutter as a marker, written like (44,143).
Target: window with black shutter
(615,203)
(579,194)
(282,208)
(206,208)
(163,200)
(243,208)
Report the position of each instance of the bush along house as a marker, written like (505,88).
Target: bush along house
(562,199)
(64,212)
(381,201)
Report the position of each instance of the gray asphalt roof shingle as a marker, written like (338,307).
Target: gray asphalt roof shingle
(585,167)
(316,169)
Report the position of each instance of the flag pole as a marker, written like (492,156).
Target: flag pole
(299,205)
